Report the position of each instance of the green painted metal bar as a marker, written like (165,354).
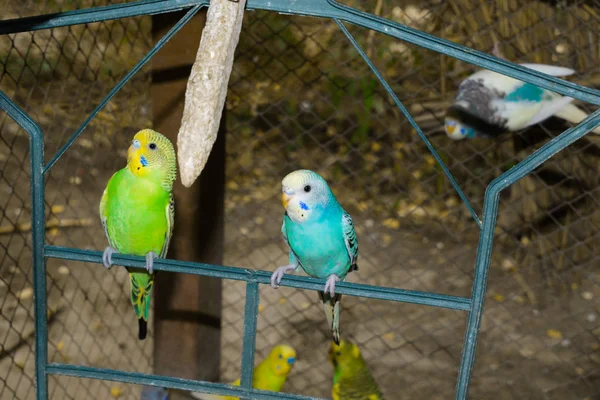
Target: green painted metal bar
(96,14)
(486,238)
(137,378)
(36,155)
(317,8)
(412,122)
(122,83)
(264,277)
(249,340)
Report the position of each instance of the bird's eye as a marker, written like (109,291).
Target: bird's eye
(152,146)
(307,188)
(338,353)
(281,357)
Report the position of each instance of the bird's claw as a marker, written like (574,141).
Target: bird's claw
(107,256)
(278,274)
(150,256)
(330,284)
(496,51)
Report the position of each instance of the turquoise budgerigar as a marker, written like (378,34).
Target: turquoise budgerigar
(137,211)
(489,103)
(321,238)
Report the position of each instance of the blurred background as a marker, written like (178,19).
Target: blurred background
(301,97)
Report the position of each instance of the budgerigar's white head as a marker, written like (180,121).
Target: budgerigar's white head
(303,192)
(456,130)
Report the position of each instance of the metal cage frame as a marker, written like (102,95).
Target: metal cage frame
(317,8)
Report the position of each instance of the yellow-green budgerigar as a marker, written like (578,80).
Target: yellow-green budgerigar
(321,238)
(270,374)
(352,379)
(137,211)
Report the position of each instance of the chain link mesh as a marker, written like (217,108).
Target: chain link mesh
(58,76)
(301,97)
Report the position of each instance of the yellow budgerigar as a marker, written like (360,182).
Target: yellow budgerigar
(270,374)
(352,379)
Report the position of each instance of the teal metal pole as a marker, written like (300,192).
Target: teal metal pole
(249,340)
(486,239)
(264,278)
(412,122)
(36,154)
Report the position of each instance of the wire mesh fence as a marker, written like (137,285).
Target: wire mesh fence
(301,97)
(59,76)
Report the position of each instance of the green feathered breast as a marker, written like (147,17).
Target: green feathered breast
(137,214)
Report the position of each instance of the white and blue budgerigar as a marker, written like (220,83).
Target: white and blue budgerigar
(489,103)
(321,238)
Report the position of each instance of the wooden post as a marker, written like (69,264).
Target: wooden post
(188,308)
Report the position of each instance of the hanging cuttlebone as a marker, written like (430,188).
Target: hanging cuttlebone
(207,87)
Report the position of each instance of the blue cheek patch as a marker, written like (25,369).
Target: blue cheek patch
(143,161)
(303,206)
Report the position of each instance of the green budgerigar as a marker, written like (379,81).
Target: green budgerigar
(137,211)
(352,379)
(321,238)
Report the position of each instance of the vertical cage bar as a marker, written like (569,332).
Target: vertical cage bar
(484,255)
(486,238)
(36,153)
(249,341)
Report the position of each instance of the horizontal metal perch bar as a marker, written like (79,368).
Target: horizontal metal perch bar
(264,277)
(136,378)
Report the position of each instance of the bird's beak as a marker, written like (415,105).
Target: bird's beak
(131,152)
(285,199)
(286,196)
(450,129)
(291,360)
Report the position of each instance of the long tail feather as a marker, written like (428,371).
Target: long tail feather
(575,115)
(142,328)
(332,307)
(141,289)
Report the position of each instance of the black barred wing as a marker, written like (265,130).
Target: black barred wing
(170,214)
(350,239)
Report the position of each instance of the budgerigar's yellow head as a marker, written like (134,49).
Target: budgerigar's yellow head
(282,359)
(344,354)
(303,192)
(153,154)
